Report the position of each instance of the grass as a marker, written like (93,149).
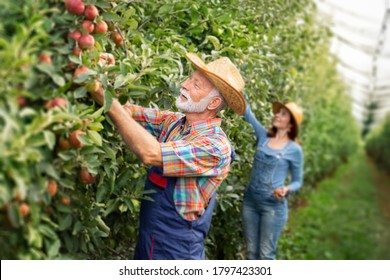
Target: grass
(343,219)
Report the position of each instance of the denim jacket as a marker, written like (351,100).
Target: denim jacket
(272,166)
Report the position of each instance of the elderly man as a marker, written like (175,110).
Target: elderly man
(190,155)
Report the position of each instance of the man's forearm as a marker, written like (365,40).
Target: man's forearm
(136,138)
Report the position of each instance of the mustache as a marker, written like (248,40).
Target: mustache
(184,92)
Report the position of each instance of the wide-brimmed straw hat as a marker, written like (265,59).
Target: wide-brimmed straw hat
(224,75)
(295,111)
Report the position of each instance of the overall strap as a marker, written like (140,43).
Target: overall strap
(172,128)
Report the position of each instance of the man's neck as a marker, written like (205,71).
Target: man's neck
(196,117)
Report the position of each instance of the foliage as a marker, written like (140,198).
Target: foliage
(378,144)
(277,46)
(341,220)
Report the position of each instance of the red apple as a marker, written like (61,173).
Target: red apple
(56,102)
(106,59)
(65,200)
(59,102)
(80,70)
(76,51)
(74,140)
(52,187)
(87,26)
(22,101)
(91,12)
(63,144)
(101,27)
(76,7)
(45,58)
(75,35)
(24,209)
(117,38)
(86,42)
(86,177)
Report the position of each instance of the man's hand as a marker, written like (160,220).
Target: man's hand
(136,138)
(96,91)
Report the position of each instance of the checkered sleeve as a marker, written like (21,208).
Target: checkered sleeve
(205,156)
(151,119)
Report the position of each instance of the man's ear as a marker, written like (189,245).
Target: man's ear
(215,103)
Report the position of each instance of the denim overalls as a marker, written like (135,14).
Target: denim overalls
(164,234)
(264,215)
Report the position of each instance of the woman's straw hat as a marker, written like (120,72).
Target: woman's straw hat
(295,111)
(224,75)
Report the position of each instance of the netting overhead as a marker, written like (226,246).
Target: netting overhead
(361,44)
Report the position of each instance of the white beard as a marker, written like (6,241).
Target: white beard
(190,106)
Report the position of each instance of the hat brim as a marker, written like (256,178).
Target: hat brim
(276,106)
(233,97)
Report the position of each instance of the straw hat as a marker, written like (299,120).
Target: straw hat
(224,75)
(295,111)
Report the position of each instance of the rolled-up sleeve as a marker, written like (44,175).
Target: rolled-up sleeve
(201,157)
(151,119)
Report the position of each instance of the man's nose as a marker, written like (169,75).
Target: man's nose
(186,84)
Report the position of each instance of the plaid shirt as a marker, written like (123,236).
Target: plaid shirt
(199,156)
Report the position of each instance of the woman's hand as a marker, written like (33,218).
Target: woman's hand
(281,192)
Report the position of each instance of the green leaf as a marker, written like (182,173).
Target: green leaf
(165,9)
(129,204)
(84,139)
(34,238)
(121,80)
(46,68)
(108,98)
(111,17)
(112,205)
(96,114)
(95,126)
(84,76)
(124,178)
(129,12)
(102,225)
(47,231)
(75,59)
(136,93)
(77,227)
(80,92)
(58,80)
(214,40)
(132,24)
(53,249)
(50,139)
(13,215)
(109,152)
(101,193)
(65,223)
(95,137)
(104,4)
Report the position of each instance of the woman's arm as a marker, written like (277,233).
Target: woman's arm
(296,167)
(260,130)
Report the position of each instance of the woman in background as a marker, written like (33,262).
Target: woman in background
(265,207)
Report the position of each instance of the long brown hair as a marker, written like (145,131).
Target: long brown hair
(292,134)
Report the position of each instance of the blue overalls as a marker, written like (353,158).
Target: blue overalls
(163,233)
(264,215)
